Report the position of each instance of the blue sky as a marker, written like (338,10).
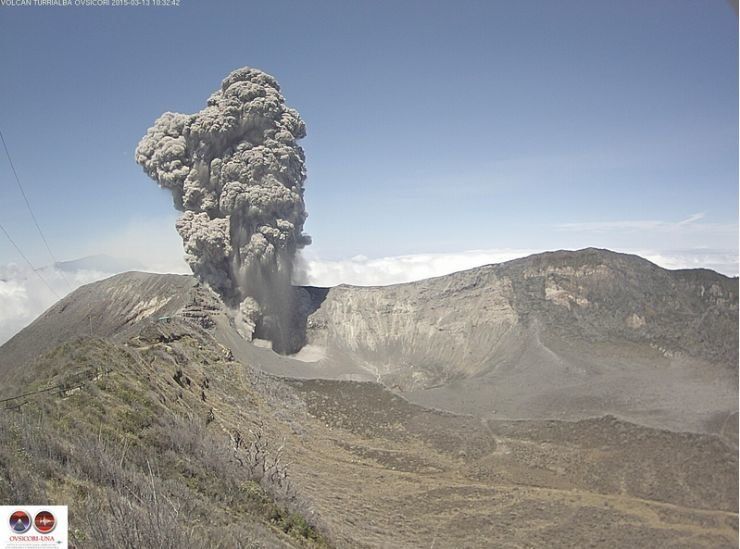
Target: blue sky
(433,127)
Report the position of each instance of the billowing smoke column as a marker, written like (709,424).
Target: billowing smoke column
(236,172)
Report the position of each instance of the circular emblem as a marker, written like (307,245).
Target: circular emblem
(20,522)
(44,522)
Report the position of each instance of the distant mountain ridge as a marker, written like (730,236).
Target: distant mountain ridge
(100,262)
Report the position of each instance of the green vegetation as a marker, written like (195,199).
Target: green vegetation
(137,472)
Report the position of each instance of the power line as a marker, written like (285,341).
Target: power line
(88,374)
(27,261)
(30,210)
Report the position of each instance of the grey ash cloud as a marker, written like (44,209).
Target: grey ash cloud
(236,172)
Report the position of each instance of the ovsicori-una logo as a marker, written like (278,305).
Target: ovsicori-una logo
(20,522)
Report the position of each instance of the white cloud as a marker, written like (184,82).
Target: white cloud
(147,244)
(688,225)
(25,294)
(13,297)
(692,218)
(150,245)
(722,261)
(363,271)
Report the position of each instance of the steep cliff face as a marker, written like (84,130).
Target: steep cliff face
(421,333)
(560,334)
(434,331)
(598,295)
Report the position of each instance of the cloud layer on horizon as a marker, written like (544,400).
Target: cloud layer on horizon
(24,295)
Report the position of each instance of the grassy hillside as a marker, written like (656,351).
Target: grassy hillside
(137,454)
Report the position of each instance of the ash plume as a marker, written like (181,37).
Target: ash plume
(236,172)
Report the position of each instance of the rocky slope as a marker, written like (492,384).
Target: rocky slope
(558,335)
(561,334)
(172,431)
(454,326)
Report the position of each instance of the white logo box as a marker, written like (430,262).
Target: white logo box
(33,527)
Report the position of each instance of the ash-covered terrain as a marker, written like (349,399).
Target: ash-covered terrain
(566,399)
